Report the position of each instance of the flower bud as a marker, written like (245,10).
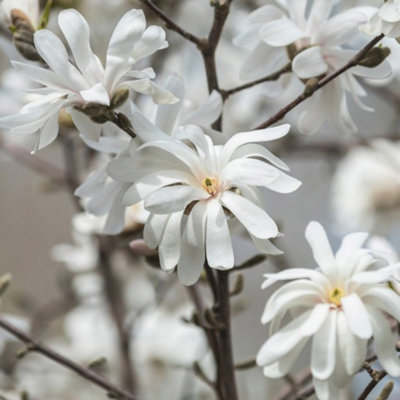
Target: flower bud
(311,86)
(5,281)
(119,98)
(23,32)
(374,57)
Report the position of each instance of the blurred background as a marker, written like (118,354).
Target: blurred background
(52,248)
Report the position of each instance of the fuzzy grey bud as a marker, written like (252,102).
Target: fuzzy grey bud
(374,57)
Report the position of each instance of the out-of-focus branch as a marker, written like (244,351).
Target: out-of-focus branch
(371,386)
(170,24)
(34,346)
(271,77)
(118,312)
(321,83)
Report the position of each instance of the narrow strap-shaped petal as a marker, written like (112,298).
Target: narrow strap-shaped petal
(218,238)
(153,39)
(310,63)
(154,229)
(281,32)
(357,316)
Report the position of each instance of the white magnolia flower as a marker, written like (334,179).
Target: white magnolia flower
(214,185)
(386,20)
(103,195)
(315,41)
(340,305)
(68,85)
(366,188)
(29,7)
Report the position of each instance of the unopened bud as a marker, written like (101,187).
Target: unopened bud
(98,363)
(119,98)
(374,57)
(291,51)
(311,86)
(125,124)
(5,281)
(238,285)
(386,391)
(23,32)
(24,395)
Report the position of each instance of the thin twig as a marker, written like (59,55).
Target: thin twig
(117,309)
(271,77)
(170,24)
(371,386)
(350,64)
(33,345)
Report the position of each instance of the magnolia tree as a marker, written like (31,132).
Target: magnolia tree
(172,178)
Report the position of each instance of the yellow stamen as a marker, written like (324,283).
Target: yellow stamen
(210,185)
(335,296)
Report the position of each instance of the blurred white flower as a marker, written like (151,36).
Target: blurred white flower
(315,41)
(366,187)
(386,20)
(210,183)
(342,306)
(68,85)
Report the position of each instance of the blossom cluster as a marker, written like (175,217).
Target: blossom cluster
(163,168)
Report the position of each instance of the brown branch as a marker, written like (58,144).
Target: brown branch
(371,386)
(227,370)
(271,77)
(350,64)
(170,24)
(33,345)
(117,310)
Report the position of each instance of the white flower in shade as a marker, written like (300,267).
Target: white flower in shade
(386,20)
(314,40)
(70,85)
(340,305)
(366,188)
(29,7)
(103,195)
(205,187)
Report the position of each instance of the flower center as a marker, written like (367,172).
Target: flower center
(335,296)
(210,185)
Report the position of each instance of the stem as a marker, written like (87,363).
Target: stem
(227,368)
(170,24)
(33,345)
(371,385)
(117,309)
(352,63)
(272,77)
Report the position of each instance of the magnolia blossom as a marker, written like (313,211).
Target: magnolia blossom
(313,42)
(340,305)
(208,188)
(103,195)
(386,20)
(69,86)
(366,187)
(29,7)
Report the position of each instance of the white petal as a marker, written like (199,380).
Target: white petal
(292,273)
(249,171)
(153,39)
(154,229)
(281,32)
(324,348)
(350,244)
(353,350)
(169,248)
(384,342)
(326,390)
(208,112)
(310,63)
(123,169)
(218,239)
(146,86)
(48,133)
(265,14)
(384,299)
(322,251)
(378,276)
(173,198)
(192,257)
(284,184)
(262,135)
(357,316)
(292,334)
(96,94)
(85,126)
(127,32)
(266,247)
(285,363)
(76,30)
(254,219)
(390,12)
(319,13)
